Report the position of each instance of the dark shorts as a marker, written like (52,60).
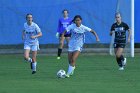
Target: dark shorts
(119,45)
(66,35)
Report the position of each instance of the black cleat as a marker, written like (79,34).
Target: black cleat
(31,65)
(33,72)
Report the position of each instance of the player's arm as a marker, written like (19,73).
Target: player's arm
(23,34)
(36,36)
(66,30)
(58,29)
(111,33)
(129,35)
(129,32)
(95,34)
(112,30)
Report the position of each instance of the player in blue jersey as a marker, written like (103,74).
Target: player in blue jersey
(62,24)
(30,36)
(76,41)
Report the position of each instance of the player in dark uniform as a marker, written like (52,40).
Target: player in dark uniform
(120,29)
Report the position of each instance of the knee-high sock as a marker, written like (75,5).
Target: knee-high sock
(122,58)
(70,69)
(34,64)
(119,62)
(59,52)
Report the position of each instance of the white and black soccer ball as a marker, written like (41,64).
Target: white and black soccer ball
(61,73)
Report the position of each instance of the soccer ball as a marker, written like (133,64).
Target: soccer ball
(61,74)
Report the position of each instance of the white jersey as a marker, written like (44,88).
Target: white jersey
(77,35)
(31,30)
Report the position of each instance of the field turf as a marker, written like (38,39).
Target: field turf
(93,74)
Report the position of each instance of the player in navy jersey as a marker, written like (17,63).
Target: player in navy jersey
(62,24)
(76,41)
(120,28)
(30,36)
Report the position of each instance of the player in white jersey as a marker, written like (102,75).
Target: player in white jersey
(76,41)
(30,36)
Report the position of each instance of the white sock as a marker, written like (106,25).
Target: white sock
(34,64)
(29,60)
(70,69)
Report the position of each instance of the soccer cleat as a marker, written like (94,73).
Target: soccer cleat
(28,60)
(58,58)
(33,72)
(121,68)
(124,62)
(67,76)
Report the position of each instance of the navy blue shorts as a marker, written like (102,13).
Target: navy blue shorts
(66,35)
(119,45)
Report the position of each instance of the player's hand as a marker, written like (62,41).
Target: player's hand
(57,35)
(112,32)
(33,37)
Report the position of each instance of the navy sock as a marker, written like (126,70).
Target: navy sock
(59,52)
(119,62)
(122,58)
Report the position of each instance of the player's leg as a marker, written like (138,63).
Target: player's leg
(72,58)
(70,68)
(120,58)
(34,62)
(67,38)
(117,54)
(117,59)
(27,53)
(61,44)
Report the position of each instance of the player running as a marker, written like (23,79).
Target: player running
(30,36)
(120,29)
(76,41)
(62,24)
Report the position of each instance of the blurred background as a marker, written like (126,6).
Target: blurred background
(96,14)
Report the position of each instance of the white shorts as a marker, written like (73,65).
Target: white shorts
(31,47)
(72,49)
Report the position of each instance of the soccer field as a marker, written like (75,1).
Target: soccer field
(93,74)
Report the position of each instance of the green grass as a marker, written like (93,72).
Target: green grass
(93,74)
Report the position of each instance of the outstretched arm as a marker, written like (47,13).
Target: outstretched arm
(95,34)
